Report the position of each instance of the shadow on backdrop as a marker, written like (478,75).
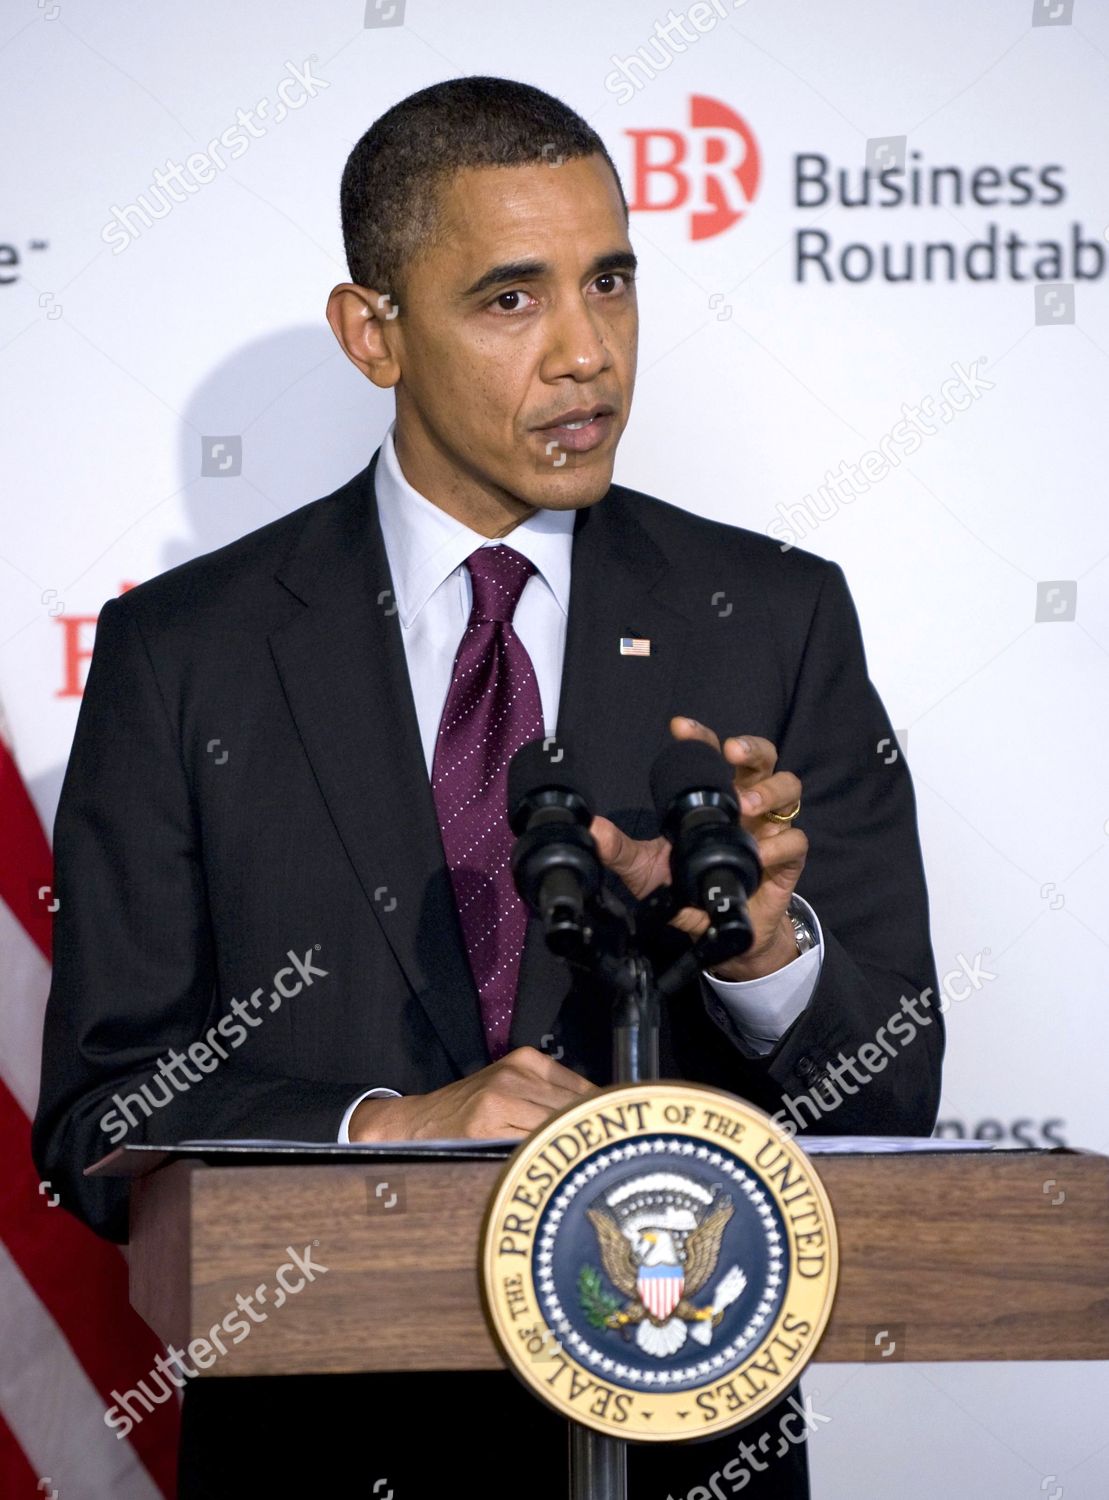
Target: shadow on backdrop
(304,421)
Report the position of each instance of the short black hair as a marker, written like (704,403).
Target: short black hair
(389,197)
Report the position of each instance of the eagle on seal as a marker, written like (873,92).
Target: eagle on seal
(660,1259)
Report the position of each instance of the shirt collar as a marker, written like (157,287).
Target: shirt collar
(425,545)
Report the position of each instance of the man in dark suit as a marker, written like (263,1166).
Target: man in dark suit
(259,797)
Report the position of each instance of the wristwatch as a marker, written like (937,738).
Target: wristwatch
(803,934)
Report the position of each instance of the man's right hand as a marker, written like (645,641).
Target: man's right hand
(511,1097)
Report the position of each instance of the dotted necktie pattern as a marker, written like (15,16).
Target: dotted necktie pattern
(493,707)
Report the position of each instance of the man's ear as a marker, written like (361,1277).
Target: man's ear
(363,322)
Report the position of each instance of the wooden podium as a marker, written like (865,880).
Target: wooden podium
(997,1255)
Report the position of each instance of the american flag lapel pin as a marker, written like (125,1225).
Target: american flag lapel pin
(634,645)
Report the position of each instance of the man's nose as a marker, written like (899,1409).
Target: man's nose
(576,347)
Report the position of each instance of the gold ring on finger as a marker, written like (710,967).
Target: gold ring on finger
(786,817)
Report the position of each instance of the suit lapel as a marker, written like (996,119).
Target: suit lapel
(613,710)
(345,677)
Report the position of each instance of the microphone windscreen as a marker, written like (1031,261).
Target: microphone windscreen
(542,765)
(688,766)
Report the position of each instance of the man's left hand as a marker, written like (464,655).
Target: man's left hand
(644,864)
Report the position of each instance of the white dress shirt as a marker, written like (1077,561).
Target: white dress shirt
(427,549)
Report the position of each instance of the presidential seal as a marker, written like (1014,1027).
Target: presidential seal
(659,1262)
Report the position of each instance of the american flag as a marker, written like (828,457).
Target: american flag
(69,1334)
(634,645)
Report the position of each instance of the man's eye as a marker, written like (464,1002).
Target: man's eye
(500,302)
(626,277)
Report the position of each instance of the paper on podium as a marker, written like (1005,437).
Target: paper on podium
(139,1159)
(450,1147)
(815,1145)
(869,1145)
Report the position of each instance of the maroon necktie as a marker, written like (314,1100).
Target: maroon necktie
(492,708)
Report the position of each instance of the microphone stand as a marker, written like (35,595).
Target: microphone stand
(558,875)
(612,952)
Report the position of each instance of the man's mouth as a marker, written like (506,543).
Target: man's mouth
(578,430)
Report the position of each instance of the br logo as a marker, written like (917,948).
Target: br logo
(710,169)
(659,1262)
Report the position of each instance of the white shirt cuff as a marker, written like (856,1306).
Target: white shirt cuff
(344,1128)
(764,1009)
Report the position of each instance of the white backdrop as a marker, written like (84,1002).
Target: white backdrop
(978,559)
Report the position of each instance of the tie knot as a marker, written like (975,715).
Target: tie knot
(498,575)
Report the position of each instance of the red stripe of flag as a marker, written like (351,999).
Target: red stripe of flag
(26,866)
(16,1475)
(81,1280)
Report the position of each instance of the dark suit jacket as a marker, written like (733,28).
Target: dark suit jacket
(247,781)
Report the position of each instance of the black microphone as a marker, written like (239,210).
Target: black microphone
(714,862)
(554,861)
